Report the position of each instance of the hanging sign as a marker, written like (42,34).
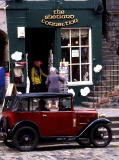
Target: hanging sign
(50,20)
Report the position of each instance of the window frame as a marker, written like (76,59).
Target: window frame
(78,83)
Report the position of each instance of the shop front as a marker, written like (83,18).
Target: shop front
(64,34)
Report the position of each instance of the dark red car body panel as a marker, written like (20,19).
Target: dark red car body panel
(54,123)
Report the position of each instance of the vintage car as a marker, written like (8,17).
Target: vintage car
(29,118)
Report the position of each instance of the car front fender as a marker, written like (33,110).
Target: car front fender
(86,131)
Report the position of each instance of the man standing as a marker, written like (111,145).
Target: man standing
(36,77)
(2,84)
(53,81)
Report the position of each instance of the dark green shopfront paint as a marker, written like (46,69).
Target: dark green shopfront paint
(29,15)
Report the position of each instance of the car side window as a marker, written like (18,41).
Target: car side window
(65,104)
(22,105)
(38,104)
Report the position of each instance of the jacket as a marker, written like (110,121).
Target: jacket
(53,82)
(2,77)
(35,78)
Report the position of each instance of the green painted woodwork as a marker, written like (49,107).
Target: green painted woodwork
(29,15)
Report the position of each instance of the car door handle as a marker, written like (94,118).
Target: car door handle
(44,115)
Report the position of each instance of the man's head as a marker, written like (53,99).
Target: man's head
(37,63)
(42,103)
(53,70)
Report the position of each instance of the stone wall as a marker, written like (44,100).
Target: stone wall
(4,48)
(3,23)
(113,23)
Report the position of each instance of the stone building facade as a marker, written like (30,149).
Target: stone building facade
(4,54)
(112,24)
(4,43)
(105,92)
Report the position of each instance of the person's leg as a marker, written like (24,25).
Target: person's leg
(2,93)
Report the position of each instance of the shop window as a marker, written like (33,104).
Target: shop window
(76,50)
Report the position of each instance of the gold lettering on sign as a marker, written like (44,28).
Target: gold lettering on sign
(59,15)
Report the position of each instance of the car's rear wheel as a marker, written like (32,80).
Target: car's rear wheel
(101,135)
(84,142)
(25,139)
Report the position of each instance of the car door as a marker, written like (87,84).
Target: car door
(56,123)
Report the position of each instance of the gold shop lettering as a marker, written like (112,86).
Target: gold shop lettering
(59,15)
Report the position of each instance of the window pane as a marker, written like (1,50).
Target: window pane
(75,55)
(75,50)
(65,104)
(65,37)
(66,54)
(75,37)
(84,55)
(37,104)
(84,37)
(75,73)
(85,72)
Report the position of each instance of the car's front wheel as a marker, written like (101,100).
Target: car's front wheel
(101,135)
(25,138)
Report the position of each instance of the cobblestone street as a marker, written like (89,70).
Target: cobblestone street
(62,152)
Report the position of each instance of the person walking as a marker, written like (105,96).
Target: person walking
(53,81)
(2,84)
(36,77)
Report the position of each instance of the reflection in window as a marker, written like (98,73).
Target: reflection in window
(84,55)
(65,38)
(85,72)
(65,104)
(44,104)
(84,37)
(66,54)
(76,50)
(75,37)
(75,73)
(22,105)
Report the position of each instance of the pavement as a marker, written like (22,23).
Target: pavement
(62,152)
(108,112)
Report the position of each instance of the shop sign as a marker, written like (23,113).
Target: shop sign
(67,19)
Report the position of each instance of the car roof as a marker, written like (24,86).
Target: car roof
(42,94)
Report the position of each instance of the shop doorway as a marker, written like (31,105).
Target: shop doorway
(39,45)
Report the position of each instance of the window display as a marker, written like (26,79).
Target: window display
(76,49)
(19,72)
